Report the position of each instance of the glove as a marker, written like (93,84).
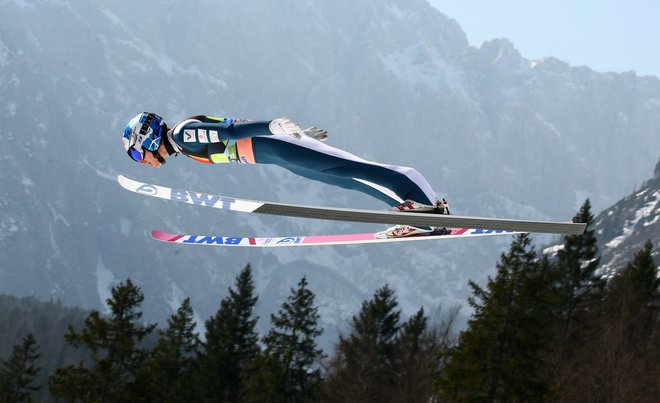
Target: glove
(316,133)
(284,127)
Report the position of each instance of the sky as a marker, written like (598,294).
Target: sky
(605,35)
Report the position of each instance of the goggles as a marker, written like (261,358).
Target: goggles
(136,155)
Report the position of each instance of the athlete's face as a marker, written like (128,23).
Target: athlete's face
(150,160)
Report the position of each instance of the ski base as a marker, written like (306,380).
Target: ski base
(317,240)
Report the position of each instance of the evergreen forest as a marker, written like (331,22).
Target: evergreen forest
(543,328)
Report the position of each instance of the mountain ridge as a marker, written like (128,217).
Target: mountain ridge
(395,82)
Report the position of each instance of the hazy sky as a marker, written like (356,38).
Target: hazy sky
(606,35)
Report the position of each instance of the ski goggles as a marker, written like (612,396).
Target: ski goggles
(149,144)
(136,155)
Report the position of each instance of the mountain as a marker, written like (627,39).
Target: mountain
(393,81)
(623,228)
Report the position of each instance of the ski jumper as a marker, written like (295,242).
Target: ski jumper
(214,140)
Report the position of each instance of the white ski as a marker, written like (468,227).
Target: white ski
(344,214)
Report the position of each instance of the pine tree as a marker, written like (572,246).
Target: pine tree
(364,367)
(580,290)
(412,334)
(418,360)
(227,356)
(170,367)
(17,375)
(633,294)
(620,360)
(117,356)
(630,333)
(289,370)
(639,281)
(501,356)
(578,261)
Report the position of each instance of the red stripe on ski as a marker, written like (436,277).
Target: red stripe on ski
(164,236)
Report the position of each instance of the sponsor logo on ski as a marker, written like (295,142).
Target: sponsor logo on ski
(213,135)
(147,189)
(489,231)
(202,199)
(211,240)
(290,240)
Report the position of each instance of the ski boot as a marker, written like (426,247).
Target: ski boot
(400,231)
(411,206)
(441,206)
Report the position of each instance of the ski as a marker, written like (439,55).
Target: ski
(315,240)
(345,214)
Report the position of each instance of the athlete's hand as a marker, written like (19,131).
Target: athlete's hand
(285,127)
(316,133)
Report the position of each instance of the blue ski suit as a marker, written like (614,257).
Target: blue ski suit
(215,140)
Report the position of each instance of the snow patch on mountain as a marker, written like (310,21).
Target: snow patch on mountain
(551,127)
(639,215)
(420,65)
(105,280)
(176,297)
(54,248)
(8,227)
(552,250)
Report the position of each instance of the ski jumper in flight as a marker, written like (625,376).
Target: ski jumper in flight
(148,140)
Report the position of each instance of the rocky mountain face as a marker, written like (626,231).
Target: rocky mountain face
(623,228)
(393,81)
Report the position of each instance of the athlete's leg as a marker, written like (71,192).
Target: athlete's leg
(318,161)
(390,198)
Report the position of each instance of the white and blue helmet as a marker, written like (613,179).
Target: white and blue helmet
(143,132)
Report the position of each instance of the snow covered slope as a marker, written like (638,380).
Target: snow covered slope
(623,228)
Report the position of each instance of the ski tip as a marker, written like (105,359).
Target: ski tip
(123,181)
(165,236)
(577,228)
(129,184)
(162,236)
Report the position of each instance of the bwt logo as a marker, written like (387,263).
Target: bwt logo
(202,199)
(212,240)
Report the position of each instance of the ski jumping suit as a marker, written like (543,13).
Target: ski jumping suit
(214,140)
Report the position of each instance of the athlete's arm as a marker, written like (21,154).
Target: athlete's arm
(197,132)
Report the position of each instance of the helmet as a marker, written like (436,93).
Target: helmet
(143,132)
